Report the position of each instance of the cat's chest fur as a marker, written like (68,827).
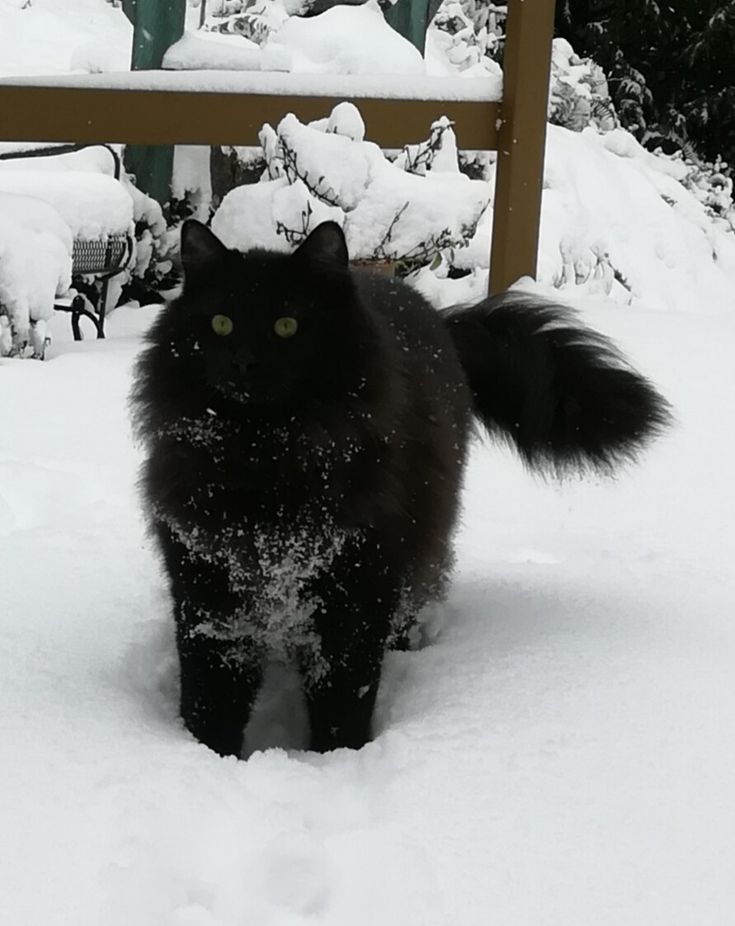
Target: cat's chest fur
(273,572)
(272,505)
(238,473)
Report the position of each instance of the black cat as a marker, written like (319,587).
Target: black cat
(307,428)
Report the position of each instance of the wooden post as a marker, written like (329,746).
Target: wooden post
(521,141)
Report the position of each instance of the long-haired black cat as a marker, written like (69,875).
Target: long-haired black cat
(306,427)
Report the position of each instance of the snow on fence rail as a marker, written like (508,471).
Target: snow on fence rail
(213,108)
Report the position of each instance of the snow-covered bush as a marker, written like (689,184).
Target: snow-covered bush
(410,211)
(467,37)
(618,221)
(35,266)
(250,19)
(711,185)
(651,211)
(156,241)
(579,94)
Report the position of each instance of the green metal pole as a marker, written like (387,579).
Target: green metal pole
(157,25)
(411,18)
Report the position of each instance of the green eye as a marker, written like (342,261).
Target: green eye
(222,325)
(286,327)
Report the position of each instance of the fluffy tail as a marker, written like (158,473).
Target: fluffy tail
(563,395)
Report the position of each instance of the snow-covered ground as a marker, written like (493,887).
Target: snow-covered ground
(563,754)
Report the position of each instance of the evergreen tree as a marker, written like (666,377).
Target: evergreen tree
(670,65)
(707,100)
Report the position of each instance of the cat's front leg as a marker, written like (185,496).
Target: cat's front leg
(341,709)
(219,683)
(343,678)
(220,664)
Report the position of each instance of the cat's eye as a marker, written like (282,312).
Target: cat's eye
(286,327)
(222,325)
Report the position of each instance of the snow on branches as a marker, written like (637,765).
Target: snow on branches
(409,211)
(468,36)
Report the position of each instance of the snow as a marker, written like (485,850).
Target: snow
(344,86)
(35,264)
(92,205)
(211,51)
(95,158)
(342,40)
(345,52)
(56,36)
(348,40)
(247,216)
(585,217)
(617,221)
(47,202)
(345,119)
(448,53)
(561,755)
(384,210)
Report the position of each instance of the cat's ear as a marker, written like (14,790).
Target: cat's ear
(325,245)
(202,252)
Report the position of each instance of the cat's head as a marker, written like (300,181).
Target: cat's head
(264,329)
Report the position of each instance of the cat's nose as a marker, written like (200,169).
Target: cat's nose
(244,360)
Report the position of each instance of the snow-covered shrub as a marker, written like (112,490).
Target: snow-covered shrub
(619,221)
(410,211)
(438,152)
(579,94)
(467,36)
(35,266)
(155,241)
(711,185)
(250,19)
(344,40)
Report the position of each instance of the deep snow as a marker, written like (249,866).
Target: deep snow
(563,754)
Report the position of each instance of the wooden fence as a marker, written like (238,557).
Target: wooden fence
(515,127)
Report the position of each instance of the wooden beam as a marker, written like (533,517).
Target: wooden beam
(521,142)
(168,117)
